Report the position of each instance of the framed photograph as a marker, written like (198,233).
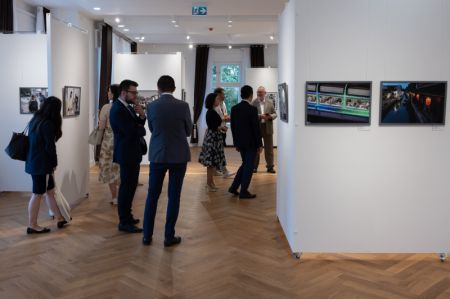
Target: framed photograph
(283,102)
(337,103)
(273,96)
(183,95)
(31,99)
(145,97)
(71,101)
(413,102)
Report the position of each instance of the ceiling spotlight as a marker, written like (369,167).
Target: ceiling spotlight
(117,20)
(137,37)
(142,37)
(173,21)
(176,25)
(230,47)
(230,25)
(271,37)
(191,46)
(188,37)
(121,26)
(230,21)
(126,30)
(97,8)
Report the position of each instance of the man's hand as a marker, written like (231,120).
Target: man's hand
(139,110)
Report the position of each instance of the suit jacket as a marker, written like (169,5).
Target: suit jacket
(245,126)
(169,120)
(41,156)
(128,129)
(269,107)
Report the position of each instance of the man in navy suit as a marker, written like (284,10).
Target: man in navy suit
(247,140)
(127,122)
(169,120)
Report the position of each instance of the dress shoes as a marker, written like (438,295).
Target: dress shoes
(247,195)
(61,223)
(172,241)
(129,228)
(35,231)
(255,170)
(271,170)
(147,241)
(135,221)
(234,192)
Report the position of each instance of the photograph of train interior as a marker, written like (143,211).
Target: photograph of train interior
(413,102)
(338,102)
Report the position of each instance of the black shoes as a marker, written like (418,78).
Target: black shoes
(247,195)
(129,228)
(135,221)
(255,170)
(234,192)
(147,241)
(34,231)
(61,223)
(172,241)
(271,170)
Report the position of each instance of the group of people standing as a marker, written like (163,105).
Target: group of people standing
(123,145)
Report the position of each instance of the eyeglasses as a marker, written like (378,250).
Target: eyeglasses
(133,92)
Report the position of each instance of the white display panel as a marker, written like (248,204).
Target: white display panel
(267,77)
(68,58)
(363,189)
(23,60)
(146,69)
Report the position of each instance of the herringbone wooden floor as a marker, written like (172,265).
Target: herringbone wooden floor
(230,249)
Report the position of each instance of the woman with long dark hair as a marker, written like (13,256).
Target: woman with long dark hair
(109,171)
(44,130)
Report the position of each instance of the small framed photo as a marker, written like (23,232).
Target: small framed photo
(283,102)
(31,99)
(273,96)
(71,101)
(145,97)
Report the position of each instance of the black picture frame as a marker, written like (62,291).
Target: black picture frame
(338,103)
(71,101)
(413,103)
(283,102)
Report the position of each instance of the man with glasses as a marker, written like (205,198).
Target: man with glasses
(127,120)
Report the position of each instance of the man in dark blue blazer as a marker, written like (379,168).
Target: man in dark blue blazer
(169,120)
(247,140)
(127,120)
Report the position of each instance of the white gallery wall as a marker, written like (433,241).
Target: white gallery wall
(68,58)
(23,61)
(353,188)
(146,69)
(267,77)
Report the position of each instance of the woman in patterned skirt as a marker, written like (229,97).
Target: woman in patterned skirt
(212,155)
(109,171)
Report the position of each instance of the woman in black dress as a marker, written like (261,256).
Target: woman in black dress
(212,155)
(44,131)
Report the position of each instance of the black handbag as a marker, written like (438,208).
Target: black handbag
(17,148)
(143,145)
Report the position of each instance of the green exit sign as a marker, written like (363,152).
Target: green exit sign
(199,10)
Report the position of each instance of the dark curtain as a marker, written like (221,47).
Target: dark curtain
(45,11)
(134,48)
(6,16)
(201,72)
(105,70)
(257,56)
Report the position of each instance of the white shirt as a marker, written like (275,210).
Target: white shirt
(261,105)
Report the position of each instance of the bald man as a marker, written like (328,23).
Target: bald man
(267,114)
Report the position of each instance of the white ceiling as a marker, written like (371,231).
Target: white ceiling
(253,21)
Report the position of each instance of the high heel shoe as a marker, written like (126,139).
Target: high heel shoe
(211,189)
(61,223)
(31,230)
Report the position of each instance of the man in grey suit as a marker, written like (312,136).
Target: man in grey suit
(169,121)
(267,114)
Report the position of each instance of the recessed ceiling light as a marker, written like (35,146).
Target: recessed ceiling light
(126,30)
(188,37)
(176,25)
(117,20)
(142,37)
(230,25)
(191,46)
(121,26)
(230,21)
(271,37)
(173,21)
(230,47)
(97,8)
(137,37)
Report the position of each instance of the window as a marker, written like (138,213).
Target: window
(228,76)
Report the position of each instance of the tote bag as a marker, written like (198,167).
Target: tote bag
(17,148)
